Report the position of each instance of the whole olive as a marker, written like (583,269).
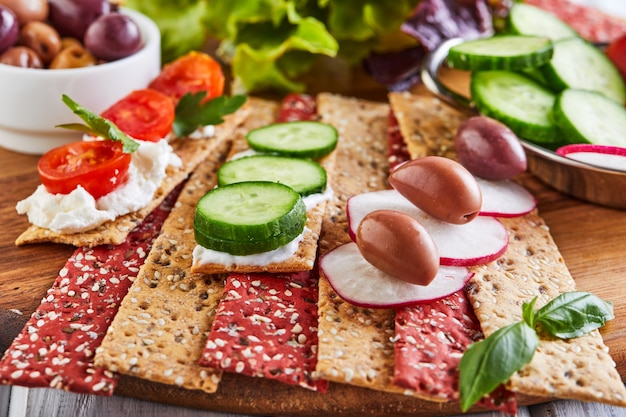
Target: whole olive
(489,149)
(113,36)
(439,186)
(68,41)
(21,56)
(9,28)
(398,245)
(28,10)
(41,38)
(72,57)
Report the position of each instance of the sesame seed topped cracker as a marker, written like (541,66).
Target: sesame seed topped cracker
(266,326)
(160,329)
(56,347)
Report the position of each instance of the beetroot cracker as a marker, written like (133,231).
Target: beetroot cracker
(56,347)
(266,326)
(430,340)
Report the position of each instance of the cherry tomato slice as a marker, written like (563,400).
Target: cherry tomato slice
(98,166)
(143,114)
(616,51)
(191,73)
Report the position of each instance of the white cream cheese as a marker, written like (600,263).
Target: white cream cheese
(78,211)
(203,256)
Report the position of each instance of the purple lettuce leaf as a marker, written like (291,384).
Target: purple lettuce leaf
(432,22)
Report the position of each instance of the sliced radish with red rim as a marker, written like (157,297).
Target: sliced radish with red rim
(360,283)
(505,198)
(480,241)
(602,156)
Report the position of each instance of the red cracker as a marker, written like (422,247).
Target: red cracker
(56,347)
(266,326)
(430,341)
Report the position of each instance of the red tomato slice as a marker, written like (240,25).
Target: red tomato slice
(143,114)
(616,51)
(98,166)
(191,73)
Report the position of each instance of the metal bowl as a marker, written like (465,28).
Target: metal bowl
(587,182)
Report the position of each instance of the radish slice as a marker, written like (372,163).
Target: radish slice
(505,198)
(480,241)
(360,283)
(603,156)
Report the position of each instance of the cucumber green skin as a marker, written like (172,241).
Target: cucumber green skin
(303,175)
(219,222)
(525,19)
(578,64)
(260,139)
(603,121)
(251,246)
(501,94)
(504,52)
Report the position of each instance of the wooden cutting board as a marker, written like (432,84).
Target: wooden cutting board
(590,237)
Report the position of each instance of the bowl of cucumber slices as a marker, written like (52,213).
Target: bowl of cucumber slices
(553,89)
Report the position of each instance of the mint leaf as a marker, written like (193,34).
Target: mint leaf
(492,361)
(97,125)
(191,113)
(574,314)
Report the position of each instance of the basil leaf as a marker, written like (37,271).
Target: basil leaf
(492,361)
(97,125)
(574,314)
(191,113)
(528,312)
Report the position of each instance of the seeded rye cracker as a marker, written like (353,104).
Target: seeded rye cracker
(114,232)
(159,331)
(579,368)
(354,343)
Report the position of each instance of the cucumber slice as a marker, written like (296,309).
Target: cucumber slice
(505,52)
(589,117)
(517,101)
(303,175)
(301,139)
(525,19)
(249,217)
(580,65)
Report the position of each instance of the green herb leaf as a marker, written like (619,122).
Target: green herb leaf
(191,113)
(492,361)
(574,314)
(528,312)
(97,125)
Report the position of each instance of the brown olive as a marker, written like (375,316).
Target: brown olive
(21,56)
(489,149)
(398,245)
(67,42)
(41,38)
(72,57)
(439,186)
(28,10)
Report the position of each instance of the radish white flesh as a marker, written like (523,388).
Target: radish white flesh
(505,198)
(360,283)
(608,157)
(480,241)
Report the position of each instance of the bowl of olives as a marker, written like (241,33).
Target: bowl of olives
(90,50)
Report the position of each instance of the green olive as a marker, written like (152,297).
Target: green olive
(72,57)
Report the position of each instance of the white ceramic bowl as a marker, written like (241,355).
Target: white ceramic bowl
(30,99)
